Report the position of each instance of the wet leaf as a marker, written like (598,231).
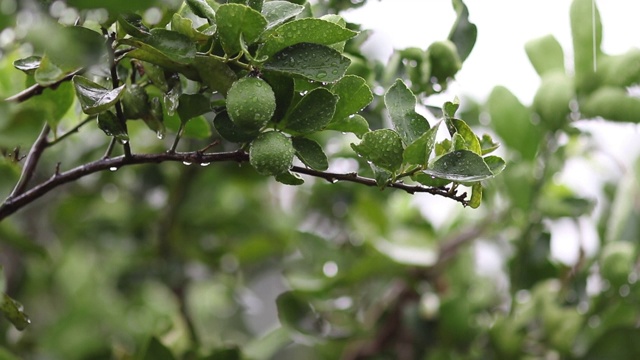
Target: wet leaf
(230,131)
(215,73)
(49,73)
(13,311)
(460,166)
(354,95)
(172,44)
(148,53)
(312,113)
(354,124)
(496,164)
(289,178)
(277,12)
(202,9)
(401,104)
(419,151)
(29,64)
(306,30)
(236,22)
(185,27)
(93,97)
(190,106)
(312,61)
(463,32)
(310,153)
(381,147)
(459,127)
(132,24)
(109,123)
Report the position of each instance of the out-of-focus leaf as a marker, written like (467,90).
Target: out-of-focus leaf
(155,350)
(463,32)
(297,314)
(545,54)
(13,311)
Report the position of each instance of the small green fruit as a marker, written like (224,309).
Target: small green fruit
(445,61)
(271,153)
(616,262)
(251,103)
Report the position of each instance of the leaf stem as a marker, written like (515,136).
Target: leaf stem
(73,130)
(177,139)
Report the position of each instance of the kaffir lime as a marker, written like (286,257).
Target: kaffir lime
(271,153)
(251,103)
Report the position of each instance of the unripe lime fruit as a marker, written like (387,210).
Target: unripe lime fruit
(616,262)
(271,153)
(445,61)
(251,103)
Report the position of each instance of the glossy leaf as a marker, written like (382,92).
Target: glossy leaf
(355,124)
(310,153)
(54,102)
(277,12)
(190,106)
(173,45)
(283,87)
(215,73)
(154,119)
(450,107)
(135,102)
(382,147)
(230,131)
(185,27)
(307,30)
(311,61)
(132,24)
(172,62)
(13,311)
(28,64)
(109,123)
(314,111)
(49,73)
(238,23)
(463,33)
(289,178)
(401,104)
(419,151)
(202,9)
(94,98)
(460,166)
(354,95)
(457,126)
(495,163)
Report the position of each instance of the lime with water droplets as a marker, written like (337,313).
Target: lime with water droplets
(251,103)
(271,153)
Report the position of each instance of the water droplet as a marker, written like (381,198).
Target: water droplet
(321,74)
(205,164)
(186,163)
(123,141)
(333,181)
(160,134)
(113,168)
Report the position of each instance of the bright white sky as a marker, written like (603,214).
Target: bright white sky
(503,28)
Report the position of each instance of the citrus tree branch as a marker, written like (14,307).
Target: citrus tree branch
(32,161)
(37,89)
(14,203)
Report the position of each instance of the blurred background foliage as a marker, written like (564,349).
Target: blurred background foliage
(190,262)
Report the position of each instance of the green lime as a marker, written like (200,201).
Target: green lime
(251,103)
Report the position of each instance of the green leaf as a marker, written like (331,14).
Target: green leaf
(611,103)
(511,120)
(29,64)
(173,45)
(185,27)
(109,123)
(430,180)
(277,12)
(202,9)
(545,54)
(487,144)
(354,95)
(450,107)
(155,350)
(113,6)
(310,153)
(463,32)
(289,178)
(471,142)
(13,311)
(354,124)
(381,147)
(312,61)
(148,53)
(230,131)
(297,314)
(495,163)
(215,73)
(48,73)
(236,22)
(381,176)
(74,47)
(154,119)
(307,30)
(190,106)
(419,151)
(460,166)
(94,98)
(314,111)
(476,195)
(283,87)
(55,102)
(135,102)
(132,24)
(401,104)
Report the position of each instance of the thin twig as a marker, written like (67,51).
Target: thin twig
(13,204)
(113,64)
(32,161)
(73,130)
(112,144)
